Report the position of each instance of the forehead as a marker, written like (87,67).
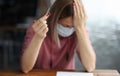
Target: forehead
(68,22)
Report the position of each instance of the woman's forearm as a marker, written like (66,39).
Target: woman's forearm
(85,49)
(30,55)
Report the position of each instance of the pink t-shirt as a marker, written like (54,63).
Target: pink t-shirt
(50,55)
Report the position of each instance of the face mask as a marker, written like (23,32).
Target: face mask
(64,31)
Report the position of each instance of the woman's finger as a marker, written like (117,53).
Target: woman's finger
(81,8)
(77,9)
(41,30)
(37,24)
(76,12)
(76,19)
(41,20)
(43,27)
(45,30)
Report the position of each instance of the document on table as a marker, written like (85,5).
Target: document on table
(60,73)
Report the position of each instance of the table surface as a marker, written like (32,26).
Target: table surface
(53,72)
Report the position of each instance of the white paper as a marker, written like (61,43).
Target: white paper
(59,73)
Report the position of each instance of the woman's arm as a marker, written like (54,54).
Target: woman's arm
(30,53)
(85,50)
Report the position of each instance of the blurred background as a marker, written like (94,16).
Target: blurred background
(103,25)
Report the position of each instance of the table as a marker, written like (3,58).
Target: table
(53,73)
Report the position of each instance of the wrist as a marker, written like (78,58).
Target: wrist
(79,30)
(38,37)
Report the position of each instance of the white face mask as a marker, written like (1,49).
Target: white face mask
(64,31)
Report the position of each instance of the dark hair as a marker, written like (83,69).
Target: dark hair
(67,12)
(60,9)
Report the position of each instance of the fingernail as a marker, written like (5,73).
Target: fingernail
(47,14)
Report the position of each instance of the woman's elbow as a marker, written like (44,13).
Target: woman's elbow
(92,65)
(25,71)
(91,68)
(25,68)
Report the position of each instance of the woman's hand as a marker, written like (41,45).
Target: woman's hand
(40,26)
(79,14)
(84,49)
(32,50)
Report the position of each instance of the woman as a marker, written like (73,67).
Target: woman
(52,40)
